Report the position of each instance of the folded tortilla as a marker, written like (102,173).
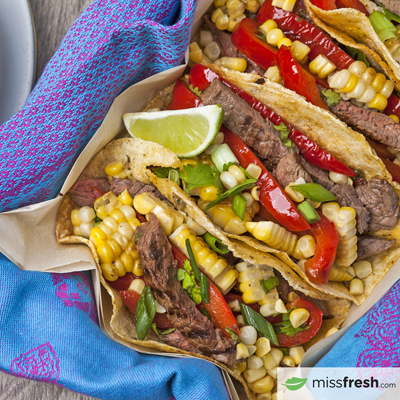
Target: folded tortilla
(140,154)
(333,135)
(352,28)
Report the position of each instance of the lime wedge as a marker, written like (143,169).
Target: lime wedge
(185,132)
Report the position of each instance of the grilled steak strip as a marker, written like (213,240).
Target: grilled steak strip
(135,188)
(86,191)
(318,175)
(347,197)
(289,169)
(368,246)
(381,201)
(372,124)
(247,123)
(392,5)
(194,332)
(284,289)
(223,39)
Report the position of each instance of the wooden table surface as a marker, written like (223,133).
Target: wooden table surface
(52,18)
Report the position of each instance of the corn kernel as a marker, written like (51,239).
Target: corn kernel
(379,82)
(277,354)
(217,268)
(241,351)
(274,36)
(358,68)
(331,331)
(209,193)
(300,51)
(144,203)
(288,5)
(252,375)
(235,226)
(125,198)
(269,361)
(222,22)
(76,221)
(297,353)
(216,13)
(235,171)
(330,210)
(115,247)
(293,194)
(128,261)
(118,216)
(105,253)
(288,361)
(272,73)
(284,42)
(137,285)
(263,347)
(137,270)
(362,269)
(263,385)
(114,168)
(351,84)
(379,102)
(298,317)
(254,170)
(395,118)
(268,26)
(356,287)
(109,271)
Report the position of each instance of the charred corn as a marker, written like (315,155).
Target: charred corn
(215,267)
(273,235)
(339,274)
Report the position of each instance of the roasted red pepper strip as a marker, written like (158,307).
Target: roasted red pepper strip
(393,106)
(319,267)
(296,28)
(245,39)
(394,169)
(356,4)
(131,299)
(217,307)
(314,322)
(123,282)
(201,77)
(183,98)
(326,5)
(297,79)
(274,199)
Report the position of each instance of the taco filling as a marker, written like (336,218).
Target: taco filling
(282,44)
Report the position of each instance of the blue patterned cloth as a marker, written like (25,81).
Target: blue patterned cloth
(48,323)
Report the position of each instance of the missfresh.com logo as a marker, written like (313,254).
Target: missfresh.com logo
(338,383)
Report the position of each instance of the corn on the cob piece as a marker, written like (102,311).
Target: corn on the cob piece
(233,63)
(273,235)
(223,216)
(339,274)
(113,240)
(321,66)
(215,267)
(83,221)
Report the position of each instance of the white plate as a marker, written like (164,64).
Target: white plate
(17,56)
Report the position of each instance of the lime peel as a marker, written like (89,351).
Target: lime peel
(185,132)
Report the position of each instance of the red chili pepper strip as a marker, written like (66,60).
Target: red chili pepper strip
(319,267)
(183,98)
(245,39)
(140,217)
(296,28)
(314,322)
(201,77)
(123,282)
(297,79)
(351,4)
(274,199)
(217,307)
(326,5)
(229,297)
(393,169)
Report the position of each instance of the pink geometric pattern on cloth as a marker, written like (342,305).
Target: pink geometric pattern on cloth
(40,363)
(72,298)
(382,330)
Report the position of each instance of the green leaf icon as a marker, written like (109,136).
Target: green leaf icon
(295,383)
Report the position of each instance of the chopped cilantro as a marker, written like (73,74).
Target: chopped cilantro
(284,131)
(332,97)
(199,176)
(153,325)
(269,284)
(196,90)
(261,36)
(286,326)
(161,172)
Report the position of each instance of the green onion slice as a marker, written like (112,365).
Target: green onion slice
(254,319)
(390,16)
(239,205)
(204,288)
(145,312)
(247,184)
(193,262)
(215,244)
(382,26)
(223,155)
(314,192)
(173,175)
(308,212)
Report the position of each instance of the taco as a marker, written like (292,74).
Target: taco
(158,299)
(363,23)
(349,82)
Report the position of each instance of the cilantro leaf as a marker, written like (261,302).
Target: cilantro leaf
(284,131)
(284,350)
(261,36)
(199,176)
(189,283)
(357,55)
(269,284)
(247,184)
(196,90)
(287,328)
(161,172)
(332,97)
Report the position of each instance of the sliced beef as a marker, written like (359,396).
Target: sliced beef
(86,191)
(372,124)
(284,289)
(247,123)
(368,246)
(228,49)
(347,197)
(318,175)
(300,9)
(290,169)
(392,5)
(380,199)
(193,331)
(135,188)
